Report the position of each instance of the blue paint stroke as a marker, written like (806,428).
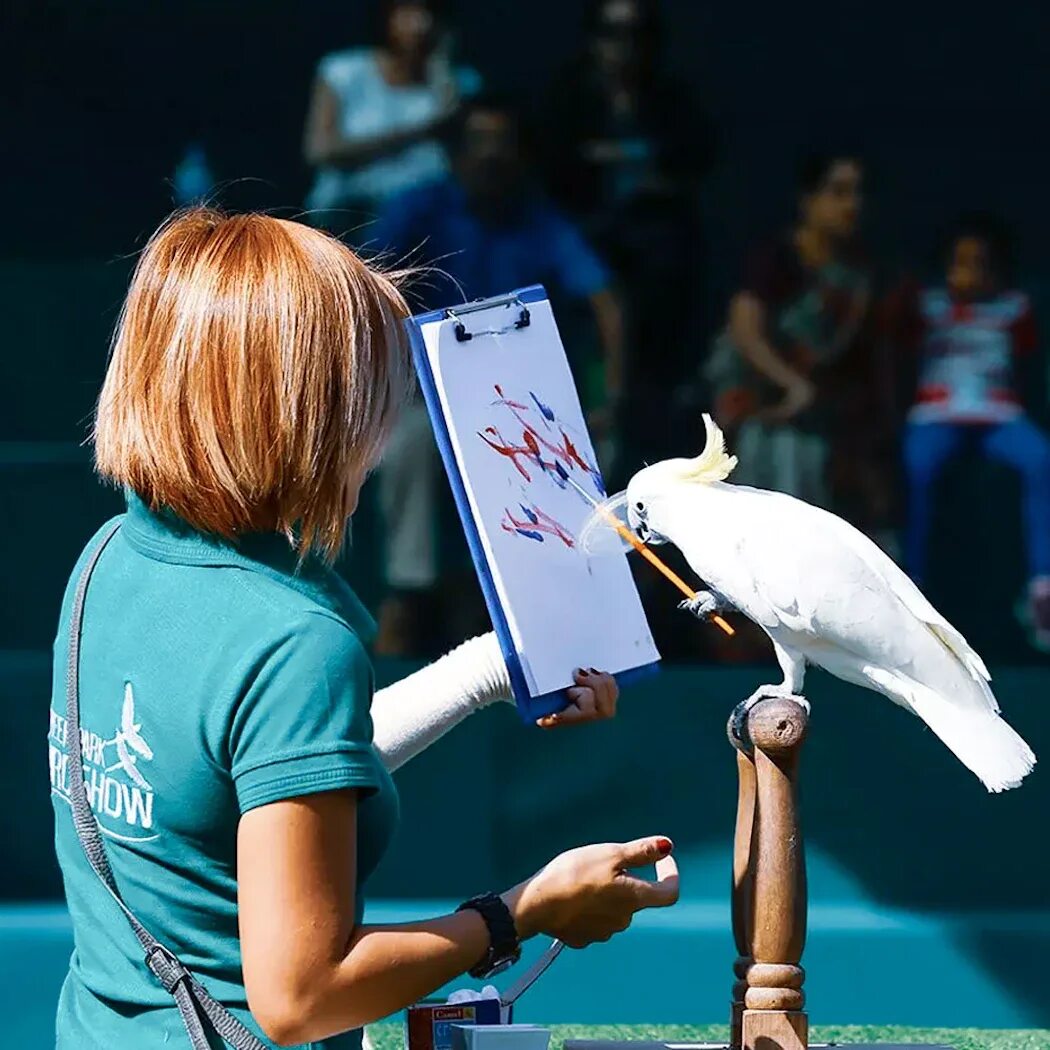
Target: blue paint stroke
(545,411)
(530,534)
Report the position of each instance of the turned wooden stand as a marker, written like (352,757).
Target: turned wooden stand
(769,883)
(769,894)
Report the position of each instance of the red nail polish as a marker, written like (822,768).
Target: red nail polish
(664,845)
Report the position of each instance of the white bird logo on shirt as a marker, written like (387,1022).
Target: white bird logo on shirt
(129,738)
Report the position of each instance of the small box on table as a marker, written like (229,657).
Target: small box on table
(428,1026)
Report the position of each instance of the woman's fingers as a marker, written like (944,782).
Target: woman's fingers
(642,852)
(583,706)
(606,692)
(659,894)
(592,699)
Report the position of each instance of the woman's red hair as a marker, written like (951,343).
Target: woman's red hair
(255,371)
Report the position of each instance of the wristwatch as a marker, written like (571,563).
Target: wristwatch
(504,946)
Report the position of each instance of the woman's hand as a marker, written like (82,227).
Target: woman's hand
(587,894)
(592,699)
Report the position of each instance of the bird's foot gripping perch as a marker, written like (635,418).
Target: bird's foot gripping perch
(738,719)
(704,604)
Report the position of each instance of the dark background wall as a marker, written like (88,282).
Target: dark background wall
(947,101)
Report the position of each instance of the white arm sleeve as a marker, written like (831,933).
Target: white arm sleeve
(408,716)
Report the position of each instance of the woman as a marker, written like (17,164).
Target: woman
(226,731)
(377,115)
(791,328)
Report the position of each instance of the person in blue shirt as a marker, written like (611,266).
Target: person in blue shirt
(485,230)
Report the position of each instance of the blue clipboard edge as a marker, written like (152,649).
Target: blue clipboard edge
(529,707)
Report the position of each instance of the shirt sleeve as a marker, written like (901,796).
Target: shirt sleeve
(580,272)
(1028,365)
(765,274)
(1023,330)
(303,725)
(339,70)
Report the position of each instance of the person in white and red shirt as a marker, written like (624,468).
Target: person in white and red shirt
(976,338)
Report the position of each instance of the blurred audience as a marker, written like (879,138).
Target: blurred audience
(378,114)
(415,162)
(972,342)
(485,230)
(798,313)
(625,149)
(617,125)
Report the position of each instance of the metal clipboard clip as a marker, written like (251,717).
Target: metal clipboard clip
(522,318)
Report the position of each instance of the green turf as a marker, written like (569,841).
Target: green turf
(391,1036)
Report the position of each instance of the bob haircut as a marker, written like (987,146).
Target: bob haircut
(255,371)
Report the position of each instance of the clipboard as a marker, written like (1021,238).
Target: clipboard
(510,435)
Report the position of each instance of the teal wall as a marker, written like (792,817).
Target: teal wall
(929,898)
(884,801)
(882,798)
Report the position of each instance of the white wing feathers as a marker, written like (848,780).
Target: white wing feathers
(816,575)
(912,598)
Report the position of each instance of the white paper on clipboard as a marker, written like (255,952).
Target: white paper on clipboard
(511,410)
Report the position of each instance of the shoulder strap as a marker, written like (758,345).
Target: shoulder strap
(196,1007)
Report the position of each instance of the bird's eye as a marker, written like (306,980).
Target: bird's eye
(639,506)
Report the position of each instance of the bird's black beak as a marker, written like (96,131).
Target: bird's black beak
(648,535)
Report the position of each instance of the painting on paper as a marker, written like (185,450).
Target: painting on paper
(530,472)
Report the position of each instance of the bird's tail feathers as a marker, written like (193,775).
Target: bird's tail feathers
(985,743)
(956,644)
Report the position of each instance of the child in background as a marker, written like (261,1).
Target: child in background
(975,339)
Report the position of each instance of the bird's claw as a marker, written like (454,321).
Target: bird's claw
(703,604)
(738,719)
(775,692)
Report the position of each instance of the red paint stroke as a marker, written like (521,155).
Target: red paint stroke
(570,451)
(512,452)
(536,525)
(567,450)
(535,444)
(506,401)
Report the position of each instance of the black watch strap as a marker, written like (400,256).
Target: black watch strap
(504,945)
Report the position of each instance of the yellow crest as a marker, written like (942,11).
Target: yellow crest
(714,463)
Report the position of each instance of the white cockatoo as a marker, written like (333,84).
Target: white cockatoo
(826,595)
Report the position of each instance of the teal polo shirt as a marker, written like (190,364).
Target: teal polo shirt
(215,677)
